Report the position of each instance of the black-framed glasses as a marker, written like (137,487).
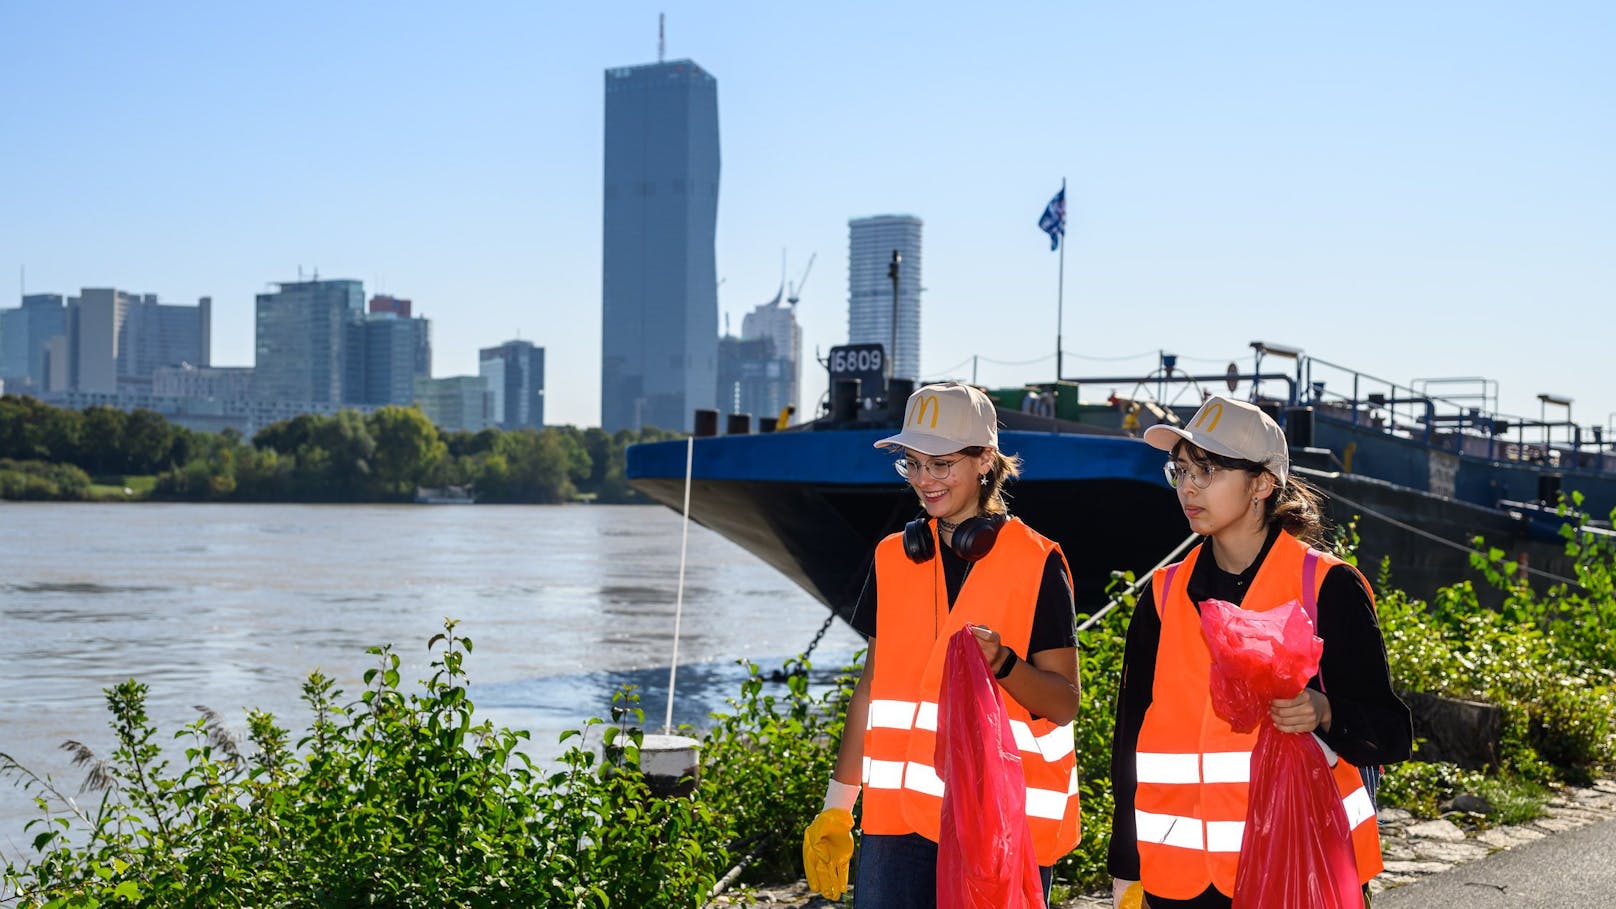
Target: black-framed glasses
(1178,471)
(910,469)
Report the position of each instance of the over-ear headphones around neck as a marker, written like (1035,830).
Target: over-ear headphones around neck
(973,539)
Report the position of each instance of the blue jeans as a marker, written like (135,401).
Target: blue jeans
(900,872)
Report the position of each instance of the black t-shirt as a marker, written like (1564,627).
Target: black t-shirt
(1054,620)
(1368,723)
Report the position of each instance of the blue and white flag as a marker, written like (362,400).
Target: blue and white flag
(1054,220)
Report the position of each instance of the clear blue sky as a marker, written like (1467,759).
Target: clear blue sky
(1414,189)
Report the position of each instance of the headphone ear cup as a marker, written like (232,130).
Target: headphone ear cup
(974,538)
(917,543)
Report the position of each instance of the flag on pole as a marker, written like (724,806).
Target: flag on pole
(1054,220)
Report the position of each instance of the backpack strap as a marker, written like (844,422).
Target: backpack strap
(1166,588)
(1310,596)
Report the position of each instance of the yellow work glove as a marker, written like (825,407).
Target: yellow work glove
(827,847)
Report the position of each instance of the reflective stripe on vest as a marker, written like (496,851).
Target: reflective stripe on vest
(1193,770)
(902,792)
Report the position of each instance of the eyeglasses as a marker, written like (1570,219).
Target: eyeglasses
(909,468)
(1178,471)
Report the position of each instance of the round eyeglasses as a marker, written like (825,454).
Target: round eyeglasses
(910,469)
(1178,471)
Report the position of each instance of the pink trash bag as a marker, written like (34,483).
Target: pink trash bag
(1296,852)
(985,854)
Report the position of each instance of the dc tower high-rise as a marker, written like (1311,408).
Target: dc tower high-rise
(659,282)
(870,244)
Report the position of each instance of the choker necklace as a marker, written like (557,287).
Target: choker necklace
(946,526)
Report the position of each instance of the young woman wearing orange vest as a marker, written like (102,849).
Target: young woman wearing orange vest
(963,563)
(1179,772)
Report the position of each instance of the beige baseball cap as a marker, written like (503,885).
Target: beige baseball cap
(944,418)
(1234,429)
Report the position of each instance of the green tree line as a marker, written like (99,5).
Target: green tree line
(384,456)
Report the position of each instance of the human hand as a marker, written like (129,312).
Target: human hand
(827,847)
(992,647)
(1307,711)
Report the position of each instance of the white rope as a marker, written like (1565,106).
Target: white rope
(1138,583)
(679,598)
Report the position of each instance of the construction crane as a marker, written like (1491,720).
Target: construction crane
(795,292)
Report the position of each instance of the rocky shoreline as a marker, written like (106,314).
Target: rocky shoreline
(1413,848)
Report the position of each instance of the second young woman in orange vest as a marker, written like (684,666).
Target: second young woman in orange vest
(1179,773)
(963,563)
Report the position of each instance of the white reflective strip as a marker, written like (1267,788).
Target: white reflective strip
(1023,734)
(1226,767)
(1359,807)
(1330,756)
(1058,743)
(1167,829)
(922,778)
(1071,783)
(1224,836)
(891,714)
(1157,767)
(926,718)
(1046,803)
(883,775)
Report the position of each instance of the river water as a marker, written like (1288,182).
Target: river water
(231,606)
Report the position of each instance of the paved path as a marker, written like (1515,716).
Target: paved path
(1572,868)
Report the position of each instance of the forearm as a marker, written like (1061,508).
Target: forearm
(1046,685)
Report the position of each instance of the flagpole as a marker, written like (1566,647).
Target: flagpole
(1060,292)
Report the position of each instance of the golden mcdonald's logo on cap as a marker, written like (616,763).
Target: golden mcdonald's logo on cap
(923,402)
(1214,410)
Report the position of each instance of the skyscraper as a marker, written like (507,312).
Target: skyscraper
(301,349)
(515,374)
(870,244)
(386,353)
(116,340)
(25,336)
(781,374)
(659,285)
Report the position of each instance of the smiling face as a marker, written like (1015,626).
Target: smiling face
(1218,499)
(954,496)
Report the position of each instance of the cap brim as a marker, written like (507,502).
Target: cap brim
(1167,438)
(923,442)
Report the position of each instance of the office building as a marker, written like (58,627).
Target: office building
(777,321)
(386,354)
(871,243)
(25,336)
(117,340)
(300,348)
(456,403)
(659,286)
(514,372)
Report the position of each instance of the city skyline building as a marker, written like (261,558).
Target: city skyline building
(776,320)
(383,303)
(26,333)
(659,284)
(515,375)
(456,403)
(386,353)
(300,348)
(870,244)
(116,339)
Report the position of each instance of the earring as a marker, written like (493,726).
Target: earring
(982,480)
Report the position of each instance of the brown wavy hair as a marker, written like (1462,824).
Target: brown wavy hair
(992,497)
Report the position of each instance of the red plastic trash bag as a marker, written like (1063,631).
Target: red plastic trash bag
(985,856)
(1257,657)
(1296,852)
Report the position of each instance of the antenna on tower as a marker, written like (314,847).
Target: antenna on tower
(661,38)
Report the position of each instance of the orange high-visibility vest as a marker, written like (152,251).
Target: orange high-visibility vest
(902,792)
(1193,770)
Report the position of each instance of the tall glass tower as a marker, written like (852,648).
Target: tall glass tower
(659,283)
(870,244)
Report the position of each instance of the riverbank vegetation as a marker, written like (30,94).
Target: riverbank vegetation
(102,453)
(403,797)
